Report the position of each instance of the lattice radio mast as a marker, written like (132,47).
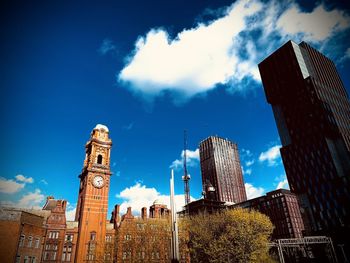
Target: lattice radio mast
(186,178)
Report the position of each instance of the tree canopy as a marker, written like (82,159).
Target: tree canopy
(230,236)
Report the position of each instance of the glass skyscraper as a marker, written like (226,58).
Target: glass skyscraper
(312,113)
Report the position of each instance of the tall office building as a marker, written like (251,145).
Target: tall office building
(312,112)
(221,170)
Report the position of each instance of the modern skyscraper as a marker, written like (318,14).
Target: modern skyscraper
(221,170)
(312,112)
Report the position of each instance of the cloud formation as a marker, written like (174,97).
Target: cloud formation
(192,159)
(138,196)
(315,26)
(22,178)
(271,156)
(225,50)
(253,191)
(283,184)
(9,186)
(247,171)
(106,47)
(32,200)
(29,200)
(70,214)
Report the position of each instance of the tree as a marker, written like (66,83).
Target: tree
(229,236)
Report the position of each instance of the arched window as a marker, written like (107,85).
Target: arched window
(99,159)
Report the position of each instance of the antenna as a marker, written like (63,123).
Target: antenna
(186,178)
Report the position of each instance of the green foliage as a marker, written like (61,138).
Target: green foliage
(230,236)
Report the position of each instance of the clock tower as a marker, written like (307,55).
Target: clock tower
(92,204)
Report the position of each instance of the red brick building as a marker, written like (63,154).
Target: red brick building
(282,207)
(146,239)
(21,236)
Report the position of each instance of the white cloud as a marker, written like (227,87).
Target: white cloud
(32,200)
(283,184)
(246,153)
(315,26)
(345,56)
(253,191)
(193,62)
(128,127)
(29,200)
(138,196)
(249,163)
(225,50)
(247,171)
(272,155)
(192,159)
(43,181)
(106,46)
(70,214)
(9,186)
(24,179)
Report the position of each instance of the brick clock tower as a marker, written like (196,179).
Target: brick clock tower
(92,204)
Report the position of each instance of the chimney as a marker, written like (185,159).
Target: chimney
(128,212)
(128,215)
(64,205)
(116,213)
(144,213)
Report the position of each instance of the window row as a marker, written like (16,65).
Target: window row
(52,255)
(26,259)
(22,241)
(54,234)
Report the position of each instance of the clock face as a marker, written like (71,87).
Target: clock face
(98,181)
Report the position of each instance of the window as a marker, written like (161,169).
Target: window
(99,159)
(69,238)
(108,238)
(30,241)
(18,259)
(47,247)
(54,247)
(107,256)
(46,255)
(53,255)
(93,236)
(64,254)
(67,253)
(26,260)
(21,240)
(37,243)
(33,260)
(54,234)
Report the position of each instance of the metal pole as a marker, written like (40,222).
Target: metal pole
(333,251)
(174,228)
(280,252)
(343,252)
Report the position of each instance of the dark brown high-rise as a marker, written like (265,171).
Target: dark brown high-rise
(312,112)
(221,170)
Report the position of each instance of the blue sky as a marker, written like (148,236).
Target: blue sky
(147,71)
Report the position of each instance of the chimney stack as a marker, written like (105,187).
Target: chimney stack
(144,213)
